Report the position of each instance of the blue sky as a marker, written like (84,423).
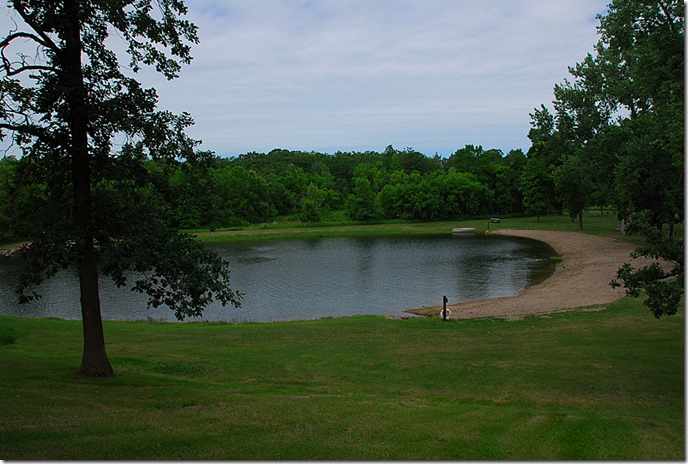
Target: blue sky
(355,75)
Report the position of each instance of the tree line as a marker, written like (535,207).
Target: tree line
(215,192)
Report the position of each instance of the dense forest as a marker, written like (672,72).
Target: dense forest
(213,192)
(613,136)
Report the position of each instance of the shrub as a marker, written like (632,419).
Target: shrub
(7,335)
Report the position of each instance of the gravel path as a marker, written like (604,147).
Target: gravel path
(588,264)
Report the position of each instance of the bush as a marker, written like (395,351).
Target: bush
(7,335)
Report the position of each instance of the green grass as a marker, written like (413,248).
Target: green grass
(593,224)
(605,385)
(604,226)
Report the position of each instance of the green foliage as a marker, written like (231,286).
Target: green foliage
(244,194)
(641,59)
(8,335)
(647,177)
(367,186)
(440,196)
(195,194)
(361,204)
(663,278)
(313,204)
(9,178)
(617,134)
(534,187)
(474,160)
(536,183)
(508,197)
(574,186)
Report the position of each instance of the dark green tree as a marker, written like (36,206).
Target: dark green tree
(617,133)
(9,178)
(409,160)
(664,277)
(641,57)
(361,204)
(582,113)
(508,196)
(195,193)
(294,182)
(461,194)
(534,182)
(574,186)
(391,199)
(245,195)
(483,164)
(67,104)
(544,156)
(639,73)
(313,204)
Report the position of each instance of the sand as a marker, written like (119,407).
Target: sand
(582,279)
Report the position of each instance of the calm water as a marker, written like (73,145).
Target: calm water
(330,277)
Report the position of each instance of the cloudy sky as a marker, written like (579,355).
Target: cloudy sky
(355,75)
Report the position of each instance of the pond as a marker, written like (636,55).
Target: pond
(298,279)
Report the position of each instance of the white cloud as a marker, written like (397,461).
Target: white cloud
(331,75)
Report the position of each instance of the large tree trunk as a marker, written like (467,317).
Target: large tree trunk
(94,361)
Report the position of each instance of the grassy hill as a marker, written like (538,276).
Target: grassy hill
(589,385)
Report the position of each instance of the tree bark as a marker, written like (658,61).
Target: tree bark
(95,362)
(580,219)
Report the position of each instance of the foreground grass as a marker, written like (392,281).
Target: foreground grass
(579,385)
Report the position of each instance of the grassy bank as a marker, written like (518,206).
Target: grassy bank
(593,224)
(579,385)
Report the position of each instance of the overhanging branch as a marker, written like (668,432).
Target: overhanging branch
(23,35)
(45,40)
(7,66)
(31,130)
(15,68)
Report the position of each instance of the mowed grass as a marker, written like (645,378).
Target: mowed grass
(582,385)
(593,224)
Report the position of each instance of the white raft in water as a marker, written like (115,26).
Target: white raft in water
(463,230)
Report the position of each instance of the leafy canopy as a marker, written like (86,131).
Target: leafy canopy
(663,278)
(43,87)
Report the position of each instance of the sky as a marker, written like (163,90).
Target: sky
(357,75)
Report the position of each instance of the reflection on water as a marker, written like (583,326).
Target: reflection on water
(331,277)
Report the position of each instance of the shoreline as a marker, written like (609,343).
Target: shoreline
(582,279)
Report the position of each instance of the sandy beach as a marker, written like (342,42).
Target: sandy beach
(588,264)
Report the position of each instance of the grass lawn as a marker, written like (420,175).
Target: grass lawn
(602,385)
(593,224)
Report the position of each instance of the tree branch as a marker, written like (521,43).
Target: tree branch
(29,67)
(23,65)
(32,130)
(670,19)
(45,41)
(25,35)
